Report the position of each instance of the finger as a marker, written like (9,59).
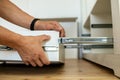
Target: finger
(26,63)
(56,26)
(62,33)
(45,61)
(51,27)
(59,28)
(32,63)
(44,58)
(38,61)
(44,37)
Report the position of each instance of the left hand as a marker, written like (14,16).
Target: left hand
(32,54)
(50,25)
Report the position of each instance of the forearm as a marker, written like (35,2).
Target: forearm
(13,14)
(9,38)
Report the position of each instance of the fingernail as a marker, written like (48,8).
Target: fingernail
(40,65)
(27,64)
(34,65)
(48,63)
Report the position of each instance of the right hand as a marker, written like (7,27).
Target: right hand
(31,50)
(50,25)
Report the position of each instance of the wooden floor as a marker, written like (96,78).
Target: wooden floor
(72,70)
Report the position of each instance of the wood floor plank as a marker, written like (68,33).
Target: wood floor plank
(71,70)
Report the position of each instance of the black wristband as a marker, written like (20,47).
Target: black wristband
(33,23)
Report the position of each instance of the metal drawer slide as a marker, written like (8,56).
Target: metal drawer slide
(81,40)
(86,40)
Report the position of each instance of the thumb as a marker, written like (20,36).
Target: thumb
(44,37)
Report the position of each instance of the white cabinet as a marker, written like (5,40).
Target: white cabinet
(98,22)
(103,21)
(87,6)
(116,24)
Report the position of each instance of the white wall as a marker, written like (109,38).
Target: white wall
(50,8)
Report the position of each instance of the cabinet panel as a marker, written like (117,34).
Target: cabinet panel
(71,31)
(116,24)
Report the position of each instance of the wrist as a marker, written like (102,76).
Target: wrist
(40,25)
(17,41)
(33,23)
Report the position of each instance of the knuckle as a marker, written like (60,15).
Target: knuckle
(35,57)
(30,60)
(41,55)
(61,28)
(25,60)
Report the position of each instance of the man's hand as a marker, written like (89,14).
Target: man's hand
(31,50)
(49,25)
